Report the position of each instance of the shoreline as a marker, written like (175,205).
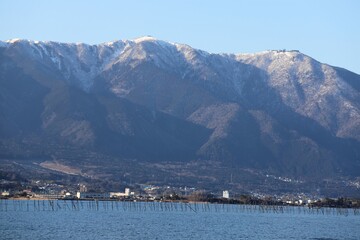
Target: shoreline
(273,204)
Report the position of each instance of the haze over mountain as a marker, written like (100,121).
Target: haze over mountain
(153,101)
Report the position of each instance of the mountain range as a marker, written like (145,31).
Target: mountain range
(141,106)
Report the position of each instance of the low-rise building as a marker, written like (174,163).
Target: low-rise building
(5,193)
(92,195)
(121,194)
(49,196)
(226,194)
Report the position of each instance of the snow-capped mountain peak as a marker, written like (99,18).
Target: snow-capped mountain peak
(145,39)
(131,98)
(14,40)
(301,82)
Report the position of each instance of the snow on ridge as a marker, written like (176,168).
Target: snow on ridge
(14,40)
(301,82)
(144,38)
(305,85)
(112,43)
(289,53)
(3,44)
(154,40)
(191,55)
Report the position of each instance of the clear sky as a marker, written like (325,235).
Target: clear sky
(328,30)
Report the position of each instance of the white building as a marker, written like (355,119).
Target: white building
(86,195)
(121,194)
(5,194)
(226,194)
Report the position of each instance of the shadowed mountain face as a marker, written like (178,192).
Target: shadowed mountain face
(153,101)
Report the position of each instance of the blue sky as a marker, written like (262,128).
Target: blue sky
(327,30)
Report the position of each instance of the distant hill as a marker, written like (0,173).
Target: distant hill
(155,102)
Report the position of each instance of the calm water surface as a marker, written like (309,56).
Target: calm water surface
(119,220)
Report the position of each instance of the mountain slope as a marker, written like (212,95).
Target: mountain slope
(276,111)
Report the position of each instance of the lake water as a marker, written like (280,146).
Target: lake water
(124,220)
